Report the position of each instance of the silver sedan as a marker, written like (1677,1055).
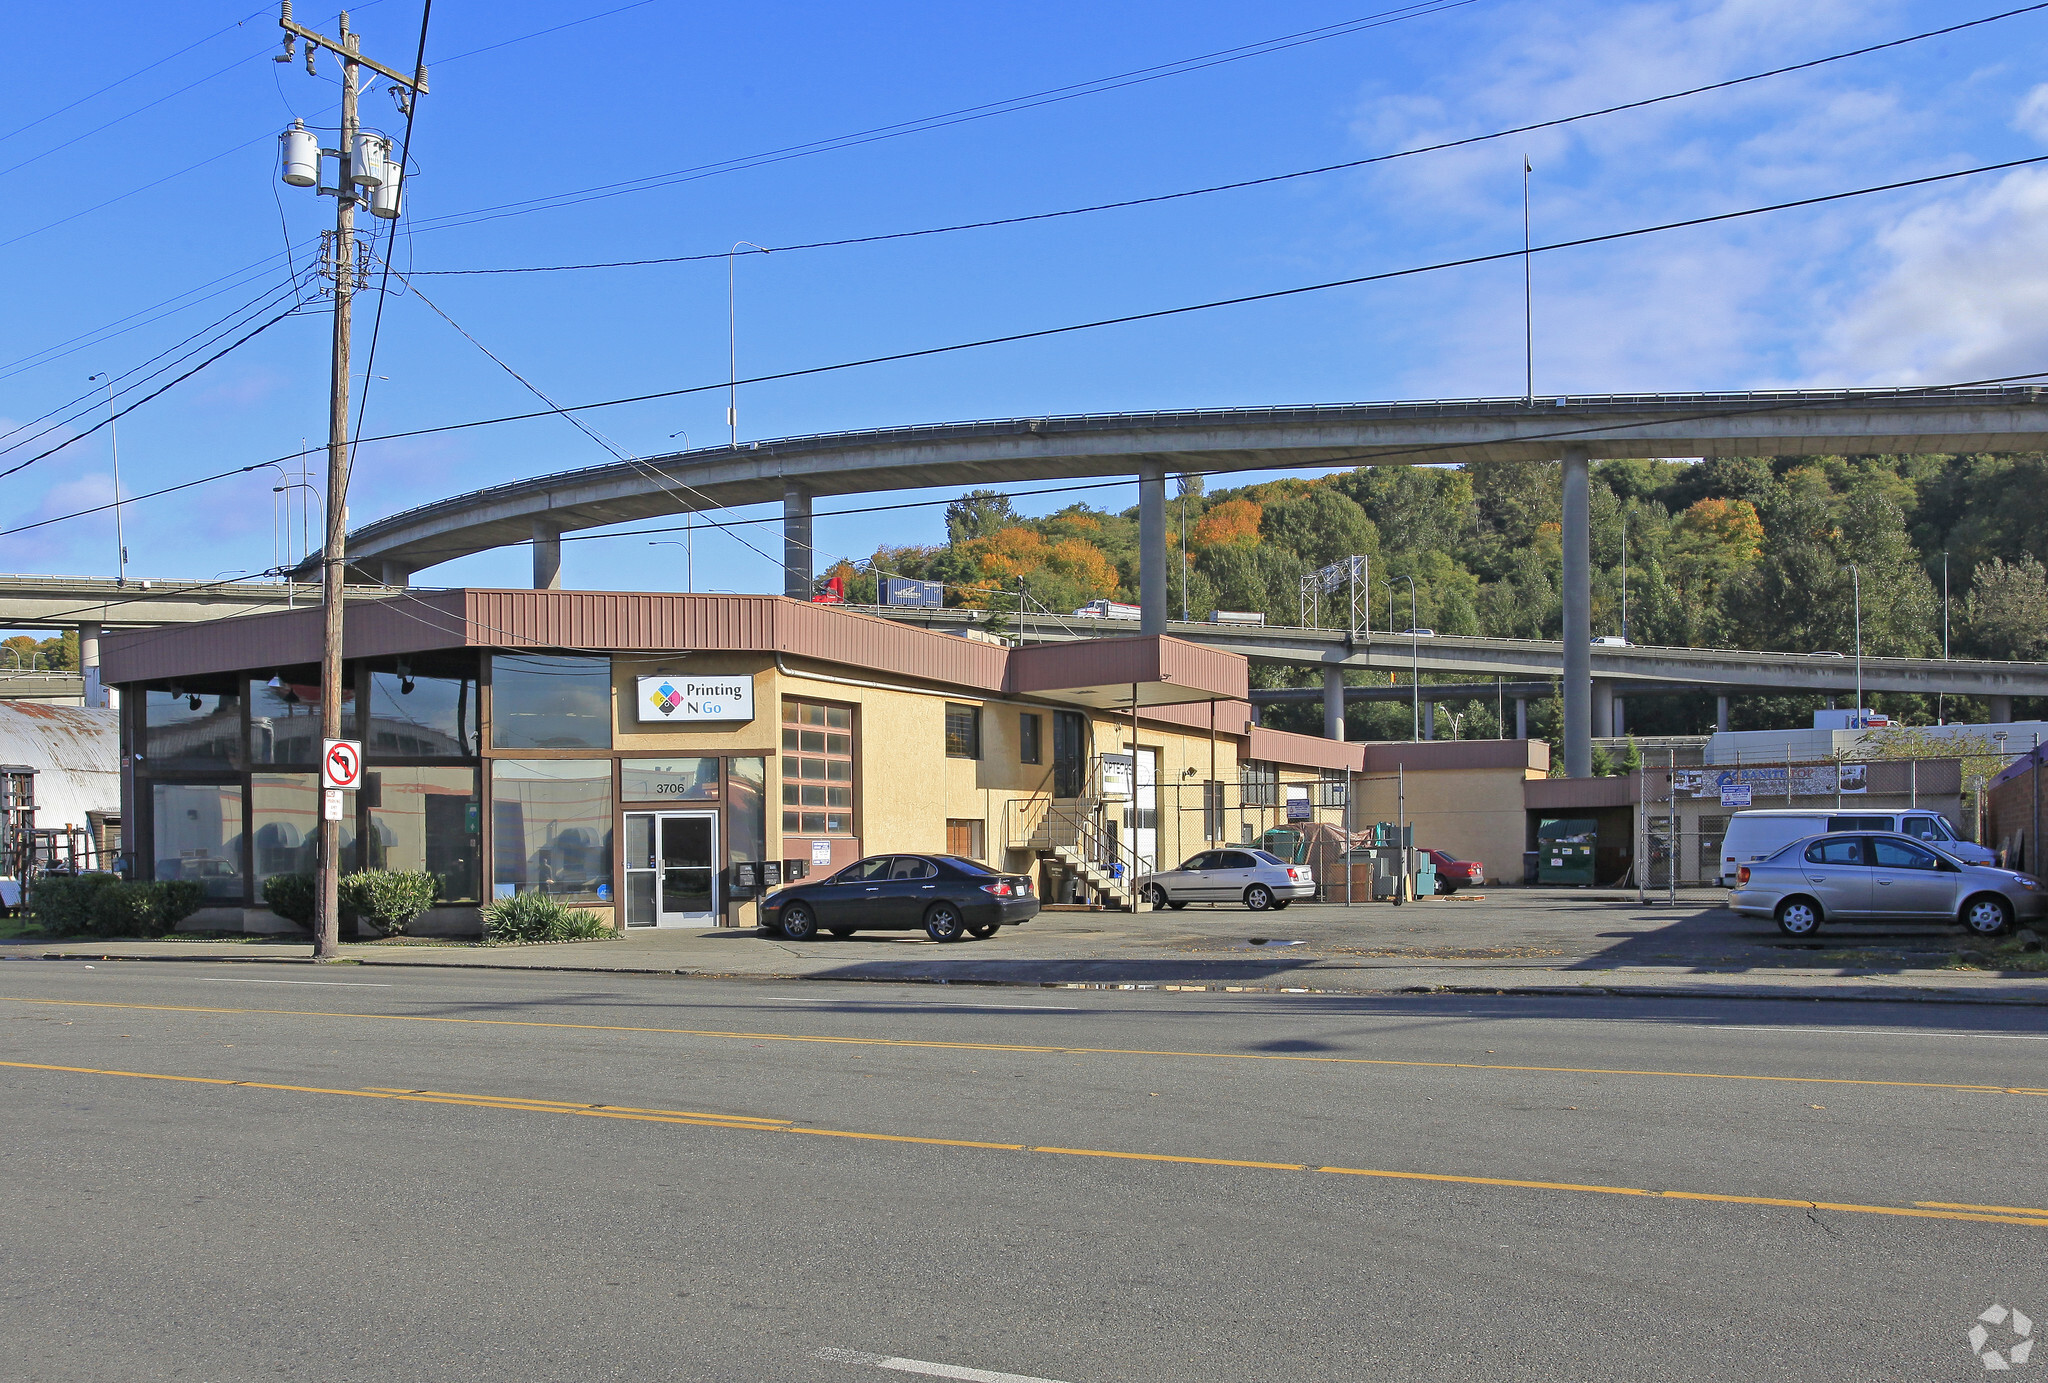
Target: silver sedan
(1882,877)
(1252,877)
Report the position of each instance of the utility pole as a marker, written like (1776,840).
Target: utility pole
(364,172)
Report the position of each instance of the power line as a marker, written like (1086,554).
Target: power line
(122,81)
(1270,178)
(1268,296)
(1128,318)
(970,113)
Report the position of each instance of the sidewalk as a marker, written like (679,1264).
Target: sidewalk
(1505,945)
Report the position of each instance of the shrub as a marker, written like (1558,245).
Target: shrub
(390,898)
(537,917)
(63,903)
(292,897)
(127,909)
(175,900)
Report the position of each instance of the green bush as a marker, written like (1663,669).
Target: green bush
(390,898)
(63,903)
(106,905)
(537,917)
(127,909)
(292,897)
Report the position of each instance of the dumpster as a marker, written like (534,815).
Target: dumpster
(1284,843)
(1564,850)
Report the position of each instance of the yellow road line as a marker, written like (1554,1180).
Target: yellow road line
(574,1105)
(1996,1209)
(728,1034)
(1927,1210)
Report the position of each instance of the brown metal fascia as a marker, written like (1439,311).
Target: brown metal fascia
(1303,751)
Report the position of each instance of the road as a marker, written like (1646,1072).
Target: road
(256,1172)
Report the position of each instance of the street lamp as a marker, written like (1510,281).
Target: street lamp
(689,559)
(114,444)
(1414,654)
(1624,576)
(732,341)
(1856,591)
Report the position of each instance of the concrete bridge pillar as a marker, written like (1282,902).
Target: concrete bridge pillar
(1604,709)
(1429,720)
(1578,613)
(1721,713)
(396,574)
(2001,709)
(89,663)
(1153,596)
(547,555)
(1333,703)
(1521,717)
(798,554)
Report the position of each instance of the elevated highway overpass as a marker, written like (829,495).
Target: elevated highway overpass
(1150,446)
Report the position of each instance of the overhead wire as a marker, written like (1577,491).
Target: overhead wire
(1157,72)
(1438,147)
(1152,315)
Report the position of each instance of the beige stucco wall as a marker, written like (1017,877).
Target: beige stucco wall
(1473,814)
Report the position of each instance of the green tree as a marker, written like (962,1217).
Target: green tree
(977,514)
(2005,614)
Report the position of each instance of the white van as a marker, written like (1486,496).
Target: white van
(1759,834)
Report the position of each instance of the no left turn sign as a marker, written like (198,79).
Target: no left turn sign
(341,764)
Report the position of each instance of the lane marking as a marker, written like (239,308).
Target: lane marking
(1852,1032)
(1032,1049)
(926,1367)
(330,984)
(1926,1210)
(928,1003)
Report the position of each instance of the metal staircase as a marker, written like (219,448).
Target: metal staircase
(1071,831)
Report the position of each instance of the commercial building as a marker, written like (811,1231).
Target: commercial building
(629,753)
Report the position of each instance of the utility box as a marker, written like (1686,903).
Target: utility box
(1564,850)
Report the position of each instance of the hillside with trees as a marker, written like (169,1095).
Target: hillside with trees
(1746,553)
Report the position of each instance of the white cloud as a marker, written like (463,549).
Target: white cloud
(2032,116)
(1963,292)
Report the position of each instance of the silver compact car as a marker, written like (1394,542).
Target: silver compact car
(1882,877)
(1251,877)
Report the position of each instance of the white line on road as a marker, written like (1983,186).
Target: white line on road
(332,984)
(934,1003)
(884,1361)
(1870,1032)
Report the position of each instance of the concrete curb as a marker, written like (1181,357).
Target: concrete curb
(2035,995)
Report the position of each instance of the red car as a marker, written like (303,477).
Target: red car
(1452,875)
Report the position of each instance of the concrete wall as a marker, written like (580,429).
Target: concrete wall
(1471,813)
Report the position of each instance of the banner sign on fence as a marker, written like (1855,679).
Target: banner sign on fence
(1766,781)
(1735,794)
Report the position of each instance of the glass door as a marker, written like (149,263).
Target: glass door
(671,871)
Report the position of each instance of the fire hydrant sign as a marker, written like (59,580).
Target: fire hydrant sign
(341,764)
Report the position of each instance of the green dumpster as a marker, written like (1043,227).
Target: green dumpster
(1564,850)
(1284,843)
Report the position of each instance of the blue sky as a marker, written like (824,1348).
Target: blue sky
(1936,284)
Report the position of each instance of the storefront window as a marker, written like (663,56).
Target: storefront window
(196,730)
(817,769)
(669,780)
(746,808)
(421,717)
(543,701)
(285,819)
(284,721)
(198,833)
(425,818)
(551,828)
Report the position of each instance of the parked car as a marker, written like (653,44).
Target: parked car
(949,896)
(1882,877)
(1254,878)
(1760,833)
(1454,874)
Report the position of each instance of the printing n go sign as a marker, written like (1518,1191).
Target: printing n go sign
(341,764)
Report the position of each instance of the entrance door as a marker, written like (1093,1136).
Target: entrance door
(671,874)
(1069,753)
(1141,818)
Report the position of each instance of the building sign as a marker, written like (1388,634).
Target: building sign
(1116,775)
(1767,781)
(668,780)
(821,853)
(1735,795)
(663,698)
(1300,809)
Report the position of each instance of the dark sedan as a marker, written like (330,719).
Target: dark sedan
(947,895)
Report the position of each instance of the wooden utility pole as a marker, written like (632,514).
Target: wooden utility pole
(339,265)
